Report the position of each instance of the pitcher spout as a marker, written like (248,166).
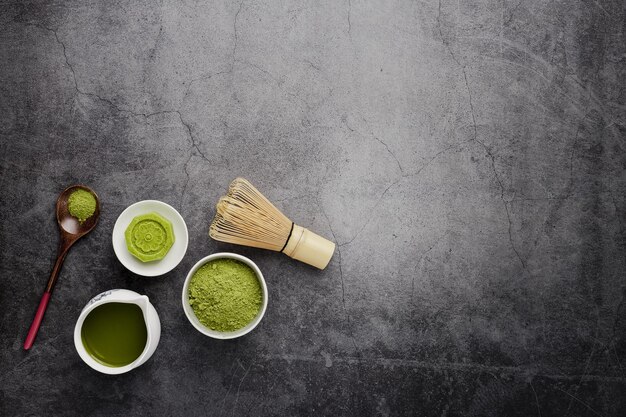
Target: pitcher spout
(143,302)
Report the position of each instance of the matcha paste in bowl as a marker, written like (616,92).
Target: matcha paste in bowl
(225,295)
(81,204)
(149,237)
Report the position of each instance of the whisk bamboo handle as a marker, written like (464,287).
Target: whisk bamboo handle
(308,247)
(246,217)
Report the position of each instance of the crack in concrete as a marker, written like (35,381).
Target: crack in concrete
(239,389)
(617,211)
(279,83)
(232,378)
(264,71)
(430,161)
(619,363)
(190,83)
(485,147)
(419,261)
(371,133)
(565,194)
(184,190)
(369,219)
(343,289)
(312,65)
(588,362)
(393,155)
(194,145)
(580,401)
(157,40)
(236,36)
(536,398)
(80,91)
(471,104)
(349,19)
(617,316)
(512,14)
(512,243)
(443,39)
(77,89)
(497,177)
(623,299)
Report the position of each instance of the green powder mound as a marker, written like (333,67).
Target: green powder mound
(81,204)
(225,295)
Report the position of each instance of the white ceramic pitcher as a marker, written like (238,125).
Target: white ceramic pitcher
(150,316)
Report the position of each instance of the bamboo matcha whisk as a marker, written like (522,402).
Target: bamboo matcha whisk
(245,217)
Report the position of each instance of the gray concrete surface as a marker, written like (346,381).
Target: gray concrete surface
(467,157)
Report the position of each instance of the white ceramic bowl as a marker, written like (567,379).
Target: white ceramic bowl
(174,255)
(189,310)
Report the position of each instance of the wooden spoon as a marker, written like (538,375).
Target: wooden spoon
(71,230)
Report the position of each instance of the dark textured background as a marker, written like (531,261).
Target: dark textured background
(468,158)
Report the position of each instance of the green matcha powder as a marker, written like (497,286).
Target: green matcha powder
(225,295)
(81,204)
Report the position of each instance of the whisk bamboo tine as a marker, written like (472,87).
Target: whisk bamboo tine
(246,217)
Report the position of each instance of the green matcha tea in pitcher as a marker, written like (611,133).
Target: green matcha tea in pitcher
(115,334)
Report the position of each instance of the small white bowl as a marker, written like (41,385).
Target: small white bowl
(189,310)
(174,255)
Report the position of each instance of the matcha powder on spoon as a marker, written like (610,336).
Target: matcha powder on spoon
(225,295)
(81,204)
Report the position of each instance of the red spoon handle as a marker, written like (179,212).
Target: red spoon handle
(34,327)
